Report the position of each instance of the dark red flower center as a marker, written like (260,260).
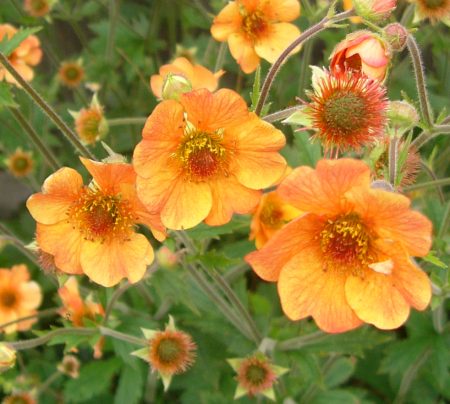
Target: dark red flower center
(271,216)
(8,299)
(256,374)
(169,350)
(254,24)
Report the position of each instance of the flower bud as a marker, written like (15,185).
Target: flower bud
(362,51)
(396,35)
(175,85)
(7,357)
(70,366)
(374,10)
(166,258)
(402,116)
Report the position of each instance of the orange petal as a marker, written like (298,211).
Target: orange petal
(306,289)
(282,10)
(165,123)
(243,51)
(257,163)
(31,295)
(107,264)
(228,197)
(203,78)
(7,316)
(289,241)
(371,52)
(150,219)
(64,243)
(212,111)
(18,274)
(109,176)
(58,192)
(321,191)
(187,204)
(229,20)
(278,37)
(389,216)
(156,84)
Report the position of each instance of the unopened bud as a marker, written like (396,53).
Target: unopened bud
(374,10)
(175,85)
(402,116)
(396,35)
(70,366)
(7,357)
(166,258)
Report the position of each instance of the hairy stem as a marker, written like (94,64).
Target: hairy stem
(283,114)
(46,152)
(127,121)
(416,58)
(309,33)
(37,98)
(428,184)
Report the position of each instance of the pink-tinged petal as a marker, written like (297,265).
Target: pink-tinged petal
(306,289)
(108,263)
(371,52)
(229,197)
(289,241)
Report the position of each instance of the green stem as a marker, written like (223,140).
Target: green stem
(44,386)
(114,298)
(428,184)
(283,114)
(425,109)
(439,318)
(20,245)
(300,342)
(445,222)
(39,314)
(34,342)
(126,121)
(220,56)
(309,33)
(428,135)
(393,161)
(48,155)
(433,176)
(37,98)
(108,332)
(113,16)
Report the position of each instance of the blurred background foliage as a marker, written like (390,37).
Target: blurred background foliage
(121,44)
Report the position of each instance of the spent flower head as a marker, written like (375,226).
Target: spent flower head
(71,73)
(20,163)
(7,357)
(169,352)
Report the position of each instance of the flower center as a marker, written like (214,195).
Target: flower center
(434,3)
(345,111)
(8,299)
(345,243)
(72,73)
(39,5)
(202,154)
(21,164)
(99,216)
(168,350)
(90,127)
(256,375)
(271,216)
(254,24)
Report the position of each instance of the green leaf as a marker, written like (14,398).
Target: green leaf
(432,259)
(339,372)
(131,385)
(95,379)
(256,89)
(6,96)
(203,231)
(7,46)
(336,397)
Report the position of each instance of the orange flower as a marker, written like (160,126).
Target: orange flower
(257,29)
(20,163)
(204,158)
(348,5)
(19,297)
(271,215)
(19,398)
(71,74)
(197,75)
(37,8)
(27,54)
(362,51)
(91,229)
(75,308)
(347,260)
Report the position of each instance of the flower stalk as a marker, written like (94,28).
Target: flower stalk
(37,98)
(306,35)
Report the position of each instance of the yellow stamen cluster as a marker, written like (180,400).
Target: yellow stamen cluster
(202,154)
(100,216)
(345,243)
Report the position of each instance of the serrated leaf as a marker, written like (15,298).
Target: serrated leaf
(95,379)
(432,259)
(6,96)
(339,372)
(203,231)
(336,397)
(131,386)
(7,46)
